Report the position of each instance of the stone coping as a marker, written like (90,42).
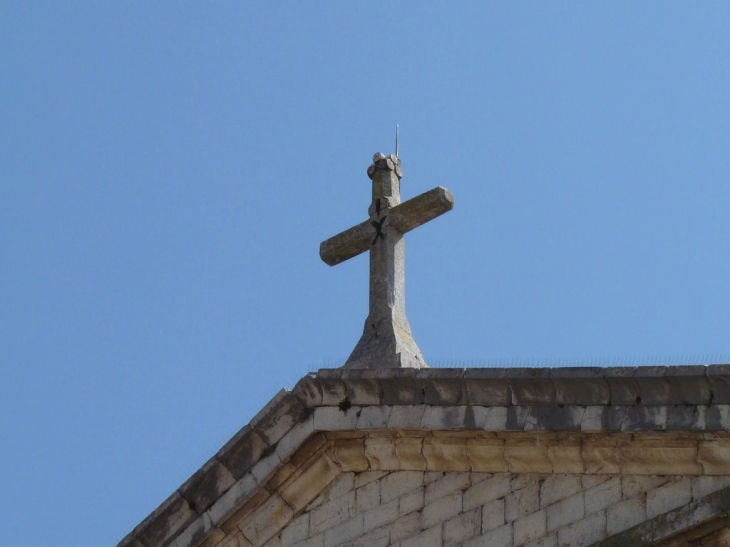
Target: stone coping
(583,401)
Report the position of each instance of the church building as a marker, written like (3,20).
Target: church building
(385,451)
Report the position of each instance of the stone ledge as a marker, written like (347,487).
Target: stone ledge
(628,386)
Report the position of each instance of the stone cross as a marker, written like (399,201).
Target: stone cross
(386,339)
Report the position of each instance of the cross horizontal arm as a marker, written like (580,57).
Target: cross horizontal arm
(347,244)
(419,210)
(404,218)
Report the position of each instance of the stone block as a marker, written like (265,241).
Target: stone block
(343,533)
(581,391)
(199,531)
(532,392)
(244,511)
(380,537)
(265,467)
(380,515)
(361,479)
(486,457)
(399,483)
(564,512)
(688,390)
(242,451)
(566,458)
(625,391)
(294,438)
(350,454)
(206,485)
(551,540)
(448,484)
(719,385)
(714,457)
(362,391)
(527,459)
(274,421)
(373,417)
(496,419)
(235,540)
(645,418)
(409,451)
(527,373)
(670,496)
(233,499)
(522,502)
(367,497)
(314,541)
(308,391)
(499,537)
(428,538)
(443,388)
(407,390)
(296,531)
(516,417)
(488,392)
(406,416)
(600,459)
(411,501)
(492,514)
(584,532)
(558,487)
(332,513)
(653,460)
(334,391)
(634,486)
(602,495)
(445,454)
(461,527)
(701,486)
(444,418)
(331,418)
(166,522)
(309,482)
(681,418)
(653,390)
(544,418)
(625,515)
(487,491)
(343,484)
(267,520)
(441,510)
(529,527)
(406,526)
(380,452)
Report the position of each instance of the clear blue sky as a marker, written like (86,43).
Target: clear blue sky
(168,170)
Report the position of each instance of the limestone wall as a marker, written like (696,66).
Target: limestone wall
(435,509)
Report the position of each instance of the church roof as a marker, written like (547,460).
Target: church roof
(651,420)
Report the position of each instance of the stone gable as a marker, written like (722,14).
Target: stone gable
(519,457)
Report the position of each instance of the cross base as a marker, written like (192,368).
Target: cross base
(385,344)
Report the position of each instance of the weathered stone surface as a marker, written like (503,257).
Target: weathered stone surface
(206,485)
(386,341)
(171,518)
(242,451)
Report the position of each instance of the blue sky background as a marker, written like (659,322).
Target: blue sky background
(168,170)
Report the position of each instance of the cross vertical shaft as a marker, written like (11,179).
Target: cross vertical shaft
(387,333)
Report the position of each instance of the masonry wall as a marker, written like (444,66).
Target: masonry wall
(434,509)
